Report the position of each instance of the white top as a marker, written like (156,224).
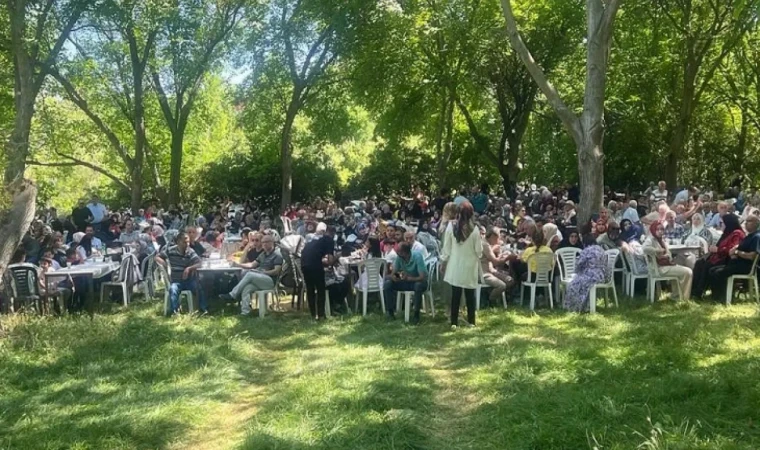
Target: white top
(98,211)
(463,258)
(418,247)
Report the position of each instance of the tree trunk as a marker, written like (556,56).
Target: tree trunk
(681,129)
(591,174)
(15,221)
(178,139)
(286,148)
(137,170)
(17,146)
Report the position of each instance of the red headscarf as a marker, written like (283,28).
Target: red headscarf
(653,229)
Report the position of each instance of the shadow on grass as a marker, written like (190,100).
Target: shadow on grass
(132,381)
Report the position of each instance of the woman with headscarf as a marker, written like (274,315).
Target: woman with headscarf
(572,239)
(698,228)
(656,246)
(718,254)
(590,269)
(629,231)
(552,236)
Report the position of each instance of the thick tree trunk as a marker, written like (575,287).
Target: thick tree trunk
(178,138)
(16,220)
(17,146)
(681,129)
(591,174)
(286,149)
(137,170)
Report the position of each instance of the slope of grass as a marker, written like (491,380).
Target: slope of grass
(669,376)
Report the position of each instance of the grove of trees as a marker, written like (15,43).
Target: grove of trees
(185,101)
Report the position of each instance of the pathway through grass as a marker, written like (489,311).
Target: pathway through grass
(669,376)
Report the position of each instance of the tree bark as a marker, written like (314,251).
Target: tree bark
(16,220)
(178,139)
(286,147)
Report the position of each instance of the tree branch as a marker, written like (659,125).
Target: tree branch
(82,104)
(568,118)
(78,162)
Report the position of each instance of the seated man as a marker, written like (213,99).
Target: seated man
(183,262)
(408,273)
(251,252)
(417,246)
(96,242)
(263,277)
(129,235)
(194,234)
(499,281)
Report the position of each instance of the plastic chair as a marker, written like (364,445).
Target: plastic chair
(375,270)
(148,285)
(751,277)
(296,299)
(612,256)
(124,279)
(167,295)
(629,276)
(23,284)
(655,277)
(567,258)
(543,277)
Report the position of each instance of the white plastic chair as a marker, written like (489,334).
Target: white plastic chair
(286,226)
(751,277)
(542,277)
(655,276)
(629,276)
(122,281)
(612,256)
(148,284)
(375,269)
(567,258)
(167,288)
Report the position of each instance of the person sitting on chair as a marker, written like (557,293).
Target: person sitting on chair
(741,259)
(183,262)
(263,276)
(408,274)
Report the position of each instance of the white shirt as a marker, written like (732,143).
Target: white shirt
(98,211)
(682,196)
(418,247)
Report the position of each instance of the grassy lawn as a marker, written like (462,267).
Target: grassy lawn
(672,376)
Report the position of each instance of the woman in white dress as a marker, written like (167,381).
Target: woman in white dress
(462,250)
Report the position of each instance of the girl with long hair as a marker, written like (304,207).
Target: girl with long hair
(462,250)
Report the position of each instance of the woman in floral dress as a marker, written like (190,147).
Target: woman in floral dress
(590,269)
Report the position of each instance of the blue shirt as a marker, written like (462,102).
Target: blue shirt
(413,268)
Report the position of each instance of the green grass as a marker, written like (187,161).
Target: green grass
(669,376)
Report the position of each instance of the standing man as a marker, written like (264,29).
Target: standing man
(184,262)
(317,254)
(98,211)
(81,215)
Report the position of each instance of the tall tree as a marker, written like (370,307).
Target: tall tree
(501,87)
(36,35)
(307,37)
(191,44)
(706,31)
(586,130)
(111,62)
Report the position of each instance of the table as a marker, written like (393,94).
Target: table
(90,271)
(681,248)
(217,266)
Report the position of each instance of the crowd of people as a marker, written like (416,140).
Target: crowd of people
(476,238)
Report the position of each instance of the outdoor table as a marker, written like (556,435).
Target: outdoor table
(90,270)
(212,266)
(681,248)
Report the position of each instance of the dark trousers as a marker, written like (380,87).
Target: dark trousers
(469,296)
(719,276)
(338,293)
(701,275)
(391,287)
(314,278)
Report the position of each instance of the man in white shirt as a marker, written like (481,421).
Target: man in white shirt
(98,210)
(683,196)
(417,246)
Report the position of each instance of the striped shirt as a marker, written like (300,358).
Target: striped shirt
(178,261)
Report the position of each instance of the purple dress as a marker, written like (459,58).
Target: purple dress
(590,269)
